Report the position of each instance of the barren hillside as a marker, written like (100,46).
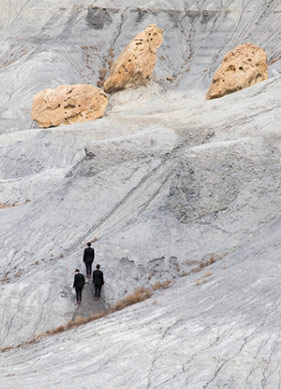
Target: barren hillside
(163,182)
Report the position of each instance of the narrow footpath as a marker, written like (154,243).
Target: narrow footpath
(89,304)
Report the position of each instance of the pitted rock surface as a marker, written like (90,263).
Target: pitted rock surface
(242,67)
(68,104)
(136,63)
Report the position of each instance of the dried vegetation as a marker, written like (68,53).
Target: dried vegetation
(140,294)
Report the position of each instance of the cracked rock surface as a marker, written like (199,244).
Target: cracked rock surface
(165,183)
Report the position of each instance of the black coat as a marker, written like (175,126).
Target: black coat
(89,254)
(98,277)
(79,281)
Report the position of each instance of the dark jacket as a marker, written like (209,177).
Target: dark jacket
(98,277)
(79,281)
(89,254)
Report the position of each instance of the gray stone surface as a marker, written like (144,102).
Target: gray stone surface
(163,182)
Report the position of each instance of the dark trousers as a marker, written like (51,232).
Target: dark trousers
(78,294)
(97,290)
(88,268)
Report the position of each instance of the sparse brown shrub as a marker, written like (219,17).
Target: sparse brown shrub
(137,296)
(95,239)
(189,261)
(5,279)
(5,349)
(161,285)
(18,274)
(208,274)
(99,315)
(197,282)
(61,255)
(211,260)
(221,256)
(57,330)
(69,325)
(79,320)
(196,269)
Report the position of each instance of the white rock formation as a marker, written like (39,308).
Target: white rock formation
(164,181)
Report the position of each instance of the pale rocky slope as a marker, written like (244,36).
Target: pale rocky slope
(166,180)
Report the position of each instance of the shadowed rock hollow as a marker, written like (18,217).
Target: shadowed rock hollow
(164,182)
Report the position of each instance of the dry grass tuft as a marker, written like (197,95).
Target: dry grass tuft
(137,296)
(211,260)
(196,269)
(100,315)
(5,349)
(208,274)
(57,330)
(161,285)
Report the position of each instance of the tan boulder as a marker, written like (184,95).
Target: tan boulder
(135,64)
(68,104)
(242,67)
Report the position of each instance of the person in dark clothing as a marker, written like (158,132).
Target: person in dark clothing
(88,259)
(78,284)
(98,281)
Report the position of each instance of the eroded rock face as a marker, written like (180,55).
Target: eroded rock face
(135,64)
(242,67)
(68,104)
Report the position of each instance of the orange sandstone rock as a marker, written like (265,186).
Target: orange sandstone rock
(68,104)
(242,67)
(135,64)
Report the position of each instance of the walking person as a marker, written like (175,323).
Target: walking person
(98,281)
(78,284)
(88,259)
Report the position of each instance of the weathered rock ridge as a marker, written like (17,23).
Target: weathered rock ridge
(135,64)
(68,104)
(242,67)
